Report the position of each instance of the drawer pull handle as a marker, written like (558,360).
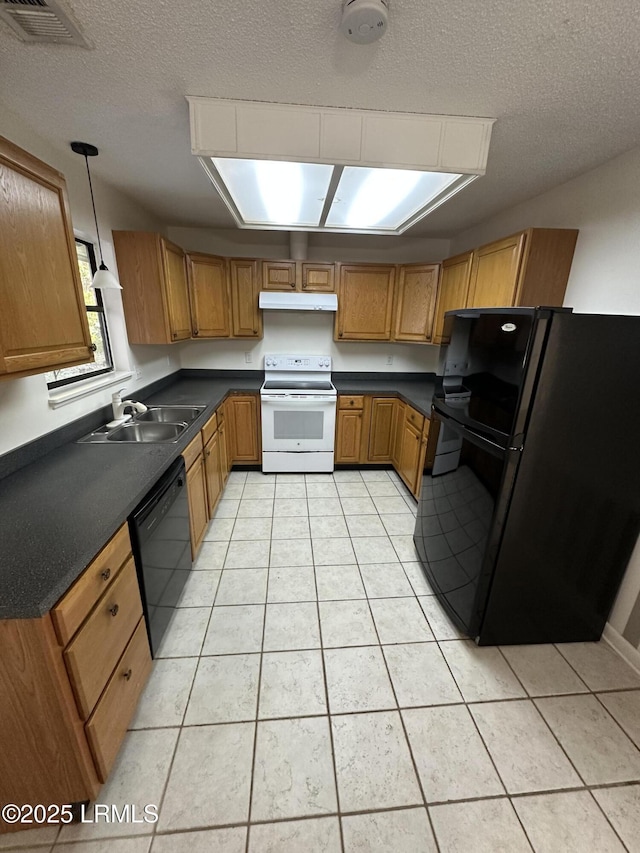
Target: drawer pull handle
(127,675)
(114,610)
(351,402)
(106,574)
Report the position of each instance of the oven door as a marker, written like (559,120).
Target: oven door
(298,423)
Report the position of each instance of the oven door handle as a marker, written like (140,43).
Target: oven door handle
(288,402)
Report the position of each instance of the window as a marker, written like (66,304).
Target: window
(97,326)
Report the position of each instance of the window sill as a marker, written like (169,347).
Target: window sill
(62,396)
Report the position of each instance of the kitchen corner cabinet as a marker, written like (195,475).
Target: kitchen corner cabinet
(209,296)
(43,320)
(245,288)
(381,431)
(365,302)
(530,268)
(70,682)
(453,290)
(155,297)
(415,303)
(243,423)
(304,276)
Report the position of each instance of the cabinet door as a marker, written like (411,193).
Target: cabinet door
(410,454)
(453,291)
(348,435)
(398,427)
(278,275)
(43,321)
(224,453)
(494,273)
(212,468)
(176,290)
(318,278)
(365,303)
(246,316)
(243,411)
(208,291)
(415,303)
(381,433)
(198,509)
(422,460)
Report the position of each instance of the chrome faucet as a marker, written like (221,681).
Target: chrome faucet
(119,406)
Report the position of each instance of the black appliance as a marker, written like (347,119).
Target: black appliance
(159,530)
(531,509)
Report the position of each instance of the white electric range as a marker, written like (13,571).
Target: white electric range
(298,403)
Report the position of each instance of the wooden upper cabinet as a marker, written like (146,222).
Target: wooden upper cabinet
(298,275)
(177,293)
(530,268)
(43,320)
(245,287)
(317,278)
(365,302)
(152,273)
(494,273)
(279,275)
(415,303)
(209,294)
(453,290)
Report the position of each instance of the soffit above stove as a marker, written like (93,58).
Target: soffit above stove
(289,167)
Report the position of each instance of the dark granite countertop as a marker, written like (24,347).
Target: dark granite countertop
(58,512)
(415,389)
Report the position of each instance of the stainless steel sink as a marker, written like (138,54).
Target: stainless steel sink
(147,432)
(157,424)
(170,414)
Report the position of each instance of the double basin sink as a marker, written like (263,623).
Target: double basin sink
(157,424)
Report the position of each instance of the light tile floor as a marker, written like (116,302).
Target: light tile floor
(311,696)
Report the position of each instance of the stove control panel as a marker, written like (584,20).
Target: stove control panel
(298,362)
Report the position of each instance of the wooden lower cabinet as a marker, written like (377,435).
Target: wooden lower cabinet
(213,474)
(348,435)
(409,454)
(225,466)
(198,506)
(243,422)
(89,661)
(381,431)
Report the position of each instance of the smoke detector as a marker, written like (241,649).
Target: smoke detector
(41,21)
(364,21)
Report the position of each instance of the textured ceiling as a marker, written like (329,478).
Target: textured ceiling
(561,76)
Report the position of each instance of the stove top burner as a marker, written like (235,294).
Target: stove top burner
(296,385)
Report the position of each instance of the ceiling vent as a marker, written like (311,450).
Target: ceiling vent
(41,21)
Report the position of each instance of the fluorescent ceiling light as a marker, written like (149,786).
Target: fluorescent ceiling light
(383,198)
(275,194)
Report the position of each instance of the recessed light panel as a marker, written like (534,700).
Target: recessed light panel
(275,192)
(383,199)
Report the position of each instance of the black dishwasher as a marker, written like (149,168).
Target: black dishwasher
(159,530)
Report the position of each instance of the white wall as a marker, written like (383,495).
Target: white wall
(25,413)
(605,276)
(300,332)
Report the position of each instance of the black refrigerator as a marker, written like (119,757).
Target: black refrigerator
(531,508)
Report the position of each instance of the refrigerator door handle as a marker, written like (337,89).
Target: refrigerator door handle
(476,437)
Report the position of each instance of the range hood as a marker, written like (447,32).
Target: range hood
(274,301)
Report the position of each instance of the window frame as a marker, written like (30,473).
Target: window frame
(98,308)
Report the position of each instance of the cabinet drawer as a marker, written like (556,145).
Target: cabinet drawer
(76,604)
(94,651)
(414,418)
(209,428)
(108,724)
(345,402)
(192,451)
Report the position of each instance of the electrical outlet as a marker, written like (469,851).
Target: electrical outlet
(389,359)
(248,357)
(138,373)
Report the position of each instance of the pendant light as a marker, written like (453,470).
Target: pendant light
(103,279)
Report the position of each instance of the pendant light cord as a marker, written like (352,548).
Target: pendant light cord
(93,205)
